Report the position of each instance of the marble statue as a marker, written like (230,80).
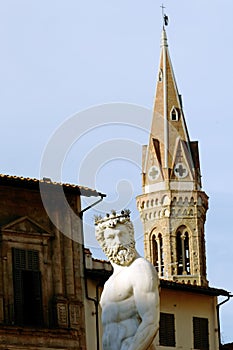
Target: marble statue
(130,298)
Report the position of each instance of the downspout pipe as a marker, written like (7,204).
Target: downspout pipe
(102,196)
(96,299)
(218,317)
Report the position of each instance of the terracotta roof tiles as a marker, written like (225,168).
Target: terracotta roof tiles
(21,181)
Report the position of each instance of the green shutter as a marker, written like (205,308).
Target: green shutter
(27,287)
(200,333)
(167,330)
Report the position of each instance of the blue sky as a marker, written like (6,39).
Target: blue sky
(61,57)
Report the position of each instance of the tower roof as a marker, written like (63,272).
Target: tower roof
(169,139)
(167,107)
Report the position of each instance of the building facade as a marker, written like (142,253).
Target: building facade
(42,289)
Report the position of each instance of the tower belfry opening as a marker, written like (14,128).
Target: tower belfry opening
(173,222)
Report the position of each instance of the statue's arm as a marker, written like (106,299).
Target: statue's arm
(146,295)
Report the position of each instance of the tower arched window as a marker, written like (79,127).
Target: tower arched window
(183,252)
(160,75)
(157,254)
(174,114)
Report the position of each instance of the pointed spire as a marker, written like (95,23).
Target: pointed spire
(168,123)
(167,106)
(164,46)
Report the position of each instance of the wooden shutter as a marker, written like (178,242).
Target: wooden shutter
(27,287)
(167,330)
(200,333)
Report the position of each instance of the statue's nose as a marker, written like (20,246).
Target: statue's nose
(117,239)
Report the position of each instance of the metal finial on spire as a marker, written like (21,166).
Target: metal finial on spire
(165,17)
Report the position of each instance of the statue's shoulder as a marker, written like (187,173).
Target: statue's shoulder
(144,274)
(144,265)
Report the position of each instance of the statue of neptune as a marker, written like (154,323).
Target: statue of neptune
(130,298)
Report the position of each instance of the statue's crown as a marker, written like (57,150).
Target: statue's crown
(112,219)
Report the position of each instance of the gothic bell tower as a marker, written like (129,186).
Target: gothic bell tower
(173,206)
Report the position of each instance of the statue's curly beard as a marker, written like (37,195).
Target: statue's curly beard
(122,254)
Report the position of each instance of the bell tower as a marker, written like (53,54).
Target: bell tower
(173,206)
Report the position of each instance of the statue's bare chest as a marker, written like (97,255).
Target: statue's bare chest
(117,288)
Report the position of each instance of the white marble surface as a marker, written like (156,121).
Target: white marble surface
(130,299)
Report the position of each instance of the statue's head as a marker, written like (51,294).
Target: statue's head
(115,234)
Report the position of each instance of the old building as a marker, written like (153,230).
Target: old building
(42,290)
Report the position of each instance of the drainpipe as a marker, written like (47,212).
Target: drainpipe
(102,196)
(96,299)
(218,317)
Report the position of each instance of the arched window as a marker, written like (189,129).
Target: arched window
(174,114)
(160,75)
(157,251)
(182,251)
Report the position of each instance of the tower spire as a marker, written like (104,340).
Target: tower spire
(173,206)
(164,47)
(168,123)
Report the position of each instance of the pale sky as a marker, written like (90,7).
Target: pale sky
(59,58)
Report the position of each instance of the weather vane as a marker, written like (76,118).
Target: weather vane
(165,17)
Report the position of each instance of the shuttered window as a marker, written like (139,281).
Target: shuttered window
(200,333)
(27,287)
(167,330)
